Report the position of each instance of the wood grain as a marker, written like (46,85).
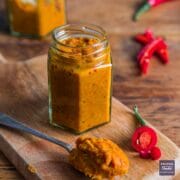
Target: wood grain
(157,95)
(26,99)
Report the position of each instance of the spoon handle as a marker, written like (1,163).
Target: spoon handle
(12,123)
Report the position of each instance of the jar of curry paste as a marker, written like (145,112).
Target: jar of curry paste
(80,77)
(35,18)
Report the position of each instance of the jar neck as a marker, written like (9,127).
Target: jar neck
(80,45)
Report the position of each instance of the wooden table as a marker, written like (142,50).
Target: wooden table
(157,94)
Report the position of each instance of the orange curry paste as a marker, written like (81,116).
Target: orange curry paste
(80,84)
(99,158)
(35,17)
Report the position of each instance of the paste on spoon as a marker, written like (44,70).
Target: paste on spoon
(99,158)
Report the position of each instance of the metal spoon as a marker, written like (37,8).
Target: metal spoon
(12,123)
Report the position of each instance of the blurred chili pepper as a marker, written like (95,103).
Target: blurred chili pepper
(147,37)
(148,5)
(146,53)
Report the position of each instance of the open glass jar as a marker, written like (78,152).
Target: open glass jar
(35,18)
(80,77)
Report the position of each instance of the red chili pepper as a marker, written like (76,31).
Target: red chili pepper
(142,39)
(144,66)
(155,153)
(145,154)
(148,5)
(146,38)
(146,53)
(144,139)
(149,49)
(163,54)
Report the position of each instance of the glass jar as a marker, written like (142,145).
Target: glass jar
(80,77)
(35,18)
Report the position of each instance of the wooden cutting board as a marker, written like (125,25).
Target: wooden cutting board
(23,95)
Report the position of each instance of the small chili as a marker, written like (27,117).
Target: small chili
(144,139)
(155,153)
(147,6)
(146,38)
(146,53)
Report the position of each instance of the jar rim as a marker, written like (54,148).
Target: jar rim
(58,32)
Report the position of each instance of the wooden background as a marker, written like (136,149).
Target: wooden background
(157,95)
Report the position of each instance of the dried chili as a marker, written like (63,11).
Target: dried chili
(147,6)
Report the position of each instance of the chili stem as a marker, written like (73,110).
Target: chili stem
(138,116)
(142,10)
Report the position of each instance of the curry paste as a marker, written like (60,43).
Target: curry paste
(35,17)
(80,84)
(99,158)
